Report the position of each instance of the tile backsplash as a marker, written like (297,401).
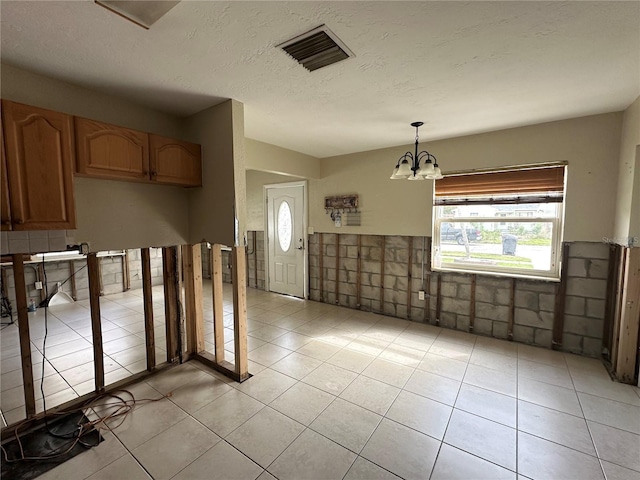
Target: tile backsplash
(36,241)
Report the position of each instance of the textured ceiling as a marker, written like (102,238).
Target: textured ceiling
(460,67)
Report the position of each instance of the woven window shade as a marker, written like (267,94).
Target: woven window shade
(541,182)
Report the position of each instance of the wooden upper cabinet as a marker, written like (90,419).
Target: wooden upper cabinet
(107,151)
(175,162)
(40,157)
(6,213)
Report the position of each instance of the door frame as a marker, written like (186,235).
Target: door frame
(305,221)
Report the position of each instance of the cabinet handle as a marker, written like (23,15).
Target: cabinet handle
(154,174)
(19,222)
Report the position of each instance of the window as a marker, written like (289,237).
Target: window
(506,222)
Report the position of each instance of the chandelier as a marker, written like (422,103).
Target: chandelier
(408,165)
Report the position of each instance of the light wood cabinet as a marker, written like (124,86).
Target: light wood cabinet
(107,151)
(40,156)
(5,212)
(174,162)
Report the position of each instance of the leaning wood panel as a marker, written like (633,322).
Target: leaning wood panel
(629,319)
(149,333)
(240,313)
(512,309)
(382,257)
(619,289)
(561,290)
(192,264)
(43,294)
(472,303)
(23,331)
(337,269)
(358,272)
(409,277)
(170,301)
(93,265)
(427,305)
(218,302)
(610,303)
(321,267)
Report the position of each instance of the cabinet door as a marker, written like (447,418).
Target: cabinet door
(107,151)
(6,214)
(174,162)
(39,149)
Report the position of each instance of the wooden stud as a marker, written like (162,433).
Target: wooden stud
(558,311)
(126,273)
(321,267)
(43,294)
(512,309)
(358,271)
(472,303)
(3,274)
(255,258)
(619,289)
(99,270)
(409,272)
(218,302)
(93,265)
(23,332)
(72,279)
(382,258)
(169,274)
(427,305)
(609,306)
(194,309)
(337,268)
(240,313)
(627,357)
(149,333)
(439,300)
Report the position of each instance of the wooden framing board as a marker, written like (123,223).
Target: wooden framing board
(472,303)
(619,289)
(627,357)
(512,309)
(169,274)
(382,258)
(558,311)
(99,270)
(3,274)
(321,267)
(358,271)
(427,305)
(439,299)
(337,269)
(218,301)
(93,265)
(409,277)
(43,295)
(610,303)
(194,309)
(126,274)
(72,279)
(255,258)
(149,334)
(240,313)
(23,331)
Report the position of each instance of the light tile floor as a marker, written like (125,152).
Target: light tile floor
(338,393)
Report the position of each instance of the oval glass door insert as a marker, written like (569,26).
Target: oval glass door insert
(284,226)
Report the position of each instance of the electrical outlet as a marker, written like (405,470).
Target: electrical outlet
(84,248)
(38,285)
(421,295)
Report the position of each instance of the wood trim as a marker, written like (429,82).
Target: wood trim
(409,276)
(359,272)
(512,309)
(321,267)
(382,259)
(240,313)
(472,303)
(93,265)
(223,367)
(619,289)
(218,302)
(194,310)
(559,307)
(439,299)
(170,281)
(337,269)
(149,333)
(23,331)
(627,357)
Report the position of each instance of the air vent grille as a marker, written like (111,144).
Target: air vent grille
(316,49)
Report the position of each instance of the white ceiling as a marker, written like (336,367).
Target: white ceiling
(460,67)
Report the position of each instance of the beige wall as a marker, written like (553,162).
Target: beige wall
(270,158)
(255,196)
(110,215)
(590,145)
(214,207)
(627,219)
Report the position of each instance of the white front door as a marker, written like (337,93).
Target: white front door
(286,239)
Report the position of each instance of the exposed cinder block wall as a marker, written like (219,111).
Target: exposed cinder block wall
(111,269)
(534,300)
(253,257)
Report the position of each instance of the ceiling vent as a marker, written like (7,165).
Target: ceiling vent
(317,48)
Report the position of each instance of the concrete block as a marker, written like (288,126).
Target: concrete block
(371,240)
(449,289)
(503,296)
(547,302)
(589,250)
(400,255)
(587,287)
(376,279)
(572,343)
(526,299)
(523,334)
(464,292)
(455,306)
(574,305)
(372,293)
(494,282)
(371,267)
(485,294)
(482,326)
(373,254)
(462,323)
(397,241)
(349,264)
(492,312)
(598,269)
(397,269)
(402,284)
(533,286)
(542,337)
(595,308)
(592,347)
(588,327)
(348,239)
(533,319)
(352,252)
(330,251)
(577,267)
(448,320)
